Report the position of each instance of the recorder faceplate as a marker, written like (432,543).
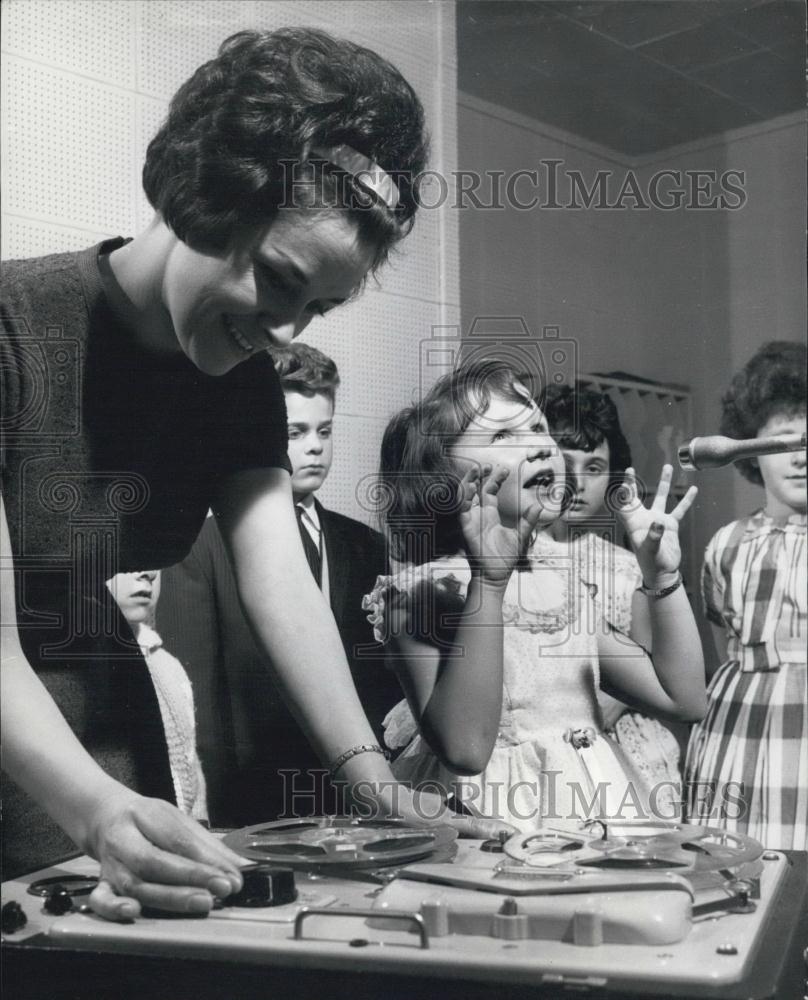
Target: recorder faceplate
(483,918)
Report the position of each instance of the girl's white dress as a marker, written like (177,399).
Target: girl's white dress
(614,575)
(551,765)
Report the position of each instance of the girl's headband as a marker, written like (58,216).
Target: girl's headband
(363,170)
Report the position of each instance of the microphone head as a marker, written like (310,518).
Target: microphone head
(709,452)
(686,456)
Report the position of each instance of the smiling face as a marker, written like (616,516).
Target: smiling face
(310,420)
(783,475)
(514,434)
(588,475)
(136,594)
(265,290)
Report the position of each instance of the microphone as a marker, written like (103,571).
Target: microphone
(713,452)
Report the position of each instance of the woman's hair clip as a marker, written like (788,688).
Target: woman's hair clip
(364,170)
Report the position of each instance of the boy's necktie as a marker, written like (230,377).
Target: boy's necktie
(311,550)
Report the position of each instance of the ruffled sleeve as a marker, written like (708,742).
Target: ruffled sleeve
(430,596)
(375,603)
(399,725)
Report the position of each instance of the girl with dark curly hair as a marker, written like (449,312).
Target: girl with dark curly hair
(137,394)
(586,426)
(747,762)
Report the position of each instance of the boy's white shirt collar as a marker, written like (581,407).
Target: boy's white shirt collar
(310,516)
(311,522)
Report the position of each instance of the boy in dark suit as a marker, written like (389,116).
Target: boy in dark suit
(257,761)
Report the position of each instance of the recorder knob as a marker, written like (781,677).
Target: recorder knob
(13,917)
(496,846)
(265,885)
(58,901)
(508,923)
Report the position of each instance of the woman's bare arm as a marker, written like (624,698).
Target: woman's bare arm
(149,852)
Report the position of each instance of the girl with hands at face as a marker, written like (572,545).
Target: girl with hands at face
(483,622)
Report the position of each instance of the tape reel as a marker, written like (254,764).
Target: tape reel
(705,856)
(334,842)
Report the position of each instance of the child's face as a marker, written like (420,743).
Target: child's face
(136,594)
(588,475)
(310,443)
(514,434)
(783,475)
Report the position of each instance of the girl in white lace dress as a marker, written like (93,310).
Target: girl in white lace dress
(493,649)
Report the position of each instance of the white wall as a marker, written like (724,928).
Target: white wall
(721,284)
(676,296)
(680,296)
(87,82)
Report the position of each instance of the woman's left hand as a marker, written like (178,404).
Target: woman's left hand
(653,533)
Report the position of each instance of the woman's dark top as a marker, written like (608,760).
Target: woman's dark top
(110,460)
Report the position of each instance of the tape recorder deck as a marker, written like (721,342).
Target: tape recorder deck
(623,909)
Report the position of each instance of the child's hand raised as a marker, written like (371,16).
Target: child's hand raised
(492,547)
(653,533)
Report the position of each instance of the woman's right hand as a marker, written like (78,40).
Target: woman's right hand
(153,855)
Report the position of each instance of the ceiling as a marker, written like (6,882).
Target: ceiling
(637,76)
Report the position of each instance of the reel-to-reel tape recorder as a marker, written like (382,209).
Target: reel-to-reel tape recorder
(614,909)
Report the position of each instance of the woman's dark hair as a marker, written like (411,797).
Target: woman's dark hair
(772,382)
(304,369)
(236,144)
(582,419)
(418,485)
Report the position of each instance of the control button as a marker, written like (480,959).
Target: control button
(508,923)
(265,885)
(13,917)
(58,901)
(496,846)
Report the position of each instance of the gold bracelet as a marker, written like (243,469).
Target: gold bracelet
(354,752)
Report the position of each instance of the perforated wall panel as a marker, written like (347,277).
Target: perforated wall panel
(85,85)
(94,38)
(70,149)
(26,238)
(176,36)
(356,446)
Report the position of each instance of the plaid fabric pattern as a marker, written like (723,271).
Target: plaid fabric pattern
(747,762)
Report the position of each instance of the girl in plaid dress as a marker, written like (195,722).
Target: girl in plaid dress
(747,761)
